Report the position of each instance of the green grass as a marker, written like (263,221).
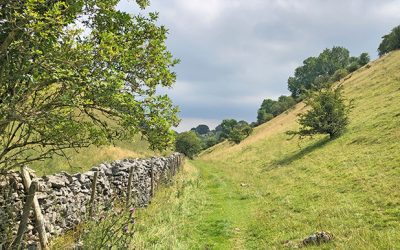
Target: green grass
(269,190)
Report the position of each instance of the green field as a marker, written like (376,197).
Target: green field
(270,192)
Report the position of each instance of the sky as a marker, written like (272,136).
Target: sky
(235,53)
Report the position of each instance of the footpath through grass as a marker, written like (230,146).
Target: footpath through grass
(201,210)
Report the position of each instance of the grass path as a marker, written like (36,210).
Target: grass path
(202,210)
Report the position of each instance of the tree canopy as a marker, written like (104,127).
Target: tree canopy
(270,108)
(80,72)
(188,143)
(201,129)
(390,42)
(235,131)
(316,72)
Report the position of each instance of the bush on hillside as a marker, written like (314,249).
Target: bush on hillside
(263,116)
(328,114)
(271,108)
(240,132)
(339,74)
(188,143)
(364,59)
(353,67)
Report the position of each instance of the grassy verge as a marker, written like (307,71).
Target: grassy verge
(86,158)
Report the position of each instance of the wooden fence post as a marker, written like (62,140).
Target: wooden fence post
(152,181)
(175,165)
(128,195)
(171,165)
(93,194)
(25,214)
(36,209)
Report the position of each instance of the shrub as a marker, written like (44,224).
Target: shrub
(328,114)
(363,59)
(339,74)
(263,116)
(113,230)
(240,132)
(353,67)
(188,144)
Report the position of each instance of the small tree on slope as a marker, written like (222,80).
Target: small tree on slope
(328,114)
(188,143)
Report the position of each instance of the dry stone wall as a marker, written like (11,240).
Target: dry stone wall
(64,198)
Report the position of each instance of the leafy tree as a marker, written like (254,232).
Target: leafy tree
(316,72)
(210,141)
(328,114)
(353,66)
(188,143)
(202,129)
(390,42)
(227,126)
(64,85)
(333,59)
(339,74)
(270,108)
(239,132)
(363,59)
(263,116)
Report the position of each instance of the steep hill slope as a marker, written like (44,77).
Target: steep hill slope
(270,192)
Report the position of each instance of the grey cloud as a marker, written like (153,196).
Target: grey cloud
(235,53)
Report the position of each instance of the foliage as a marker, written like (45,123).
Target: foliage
(114,230)
(201,129)
(353,67)
(188,143)
(339,74)
(316,72)
(328,114)
(210,141)
(390,42)
(7,211)
(62,86)
(270,108)
(240,132)
(263,116)
(363,59)
(227,126)
(235,131)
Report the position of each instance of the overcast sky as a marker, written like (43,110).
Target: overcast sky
(235,53)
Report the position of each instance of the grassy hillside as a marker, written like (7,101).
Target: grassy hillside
(269,192)
(86,158)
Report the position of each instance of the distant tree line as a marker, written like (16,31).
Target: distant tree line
(201,137)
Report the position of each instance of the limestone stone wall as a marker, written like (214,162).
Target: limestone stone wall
(64,198)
